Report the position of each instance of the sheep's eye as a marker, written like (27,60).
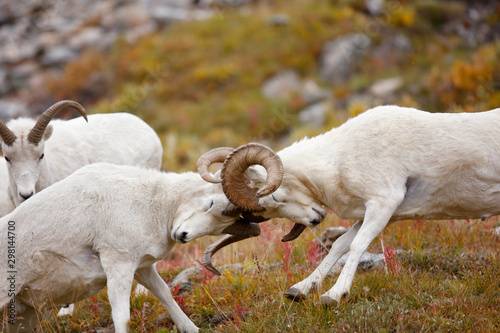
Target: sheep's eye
(7,159)
(210,205)
(274,198)
(41,156)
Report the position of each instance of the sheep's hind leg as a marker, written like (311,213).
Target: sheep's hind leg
(339,248)
(149,277)
(376,218)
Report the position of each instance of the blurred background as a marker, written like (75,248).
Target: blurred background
(211,73)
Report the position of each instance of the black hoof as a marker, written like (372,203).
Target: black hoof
(294,295)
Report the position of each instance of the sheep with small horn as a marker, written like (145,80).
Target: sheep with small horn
(34,162)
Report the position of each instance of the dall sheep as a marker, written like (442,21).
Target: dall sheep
(34,162)
(390,163)
(104,225)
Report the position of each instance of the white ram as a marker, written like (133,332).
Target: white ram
(103,225)
(390,163)
(34,162)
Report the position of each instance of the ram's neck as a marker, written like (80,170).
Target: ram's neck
(313,163)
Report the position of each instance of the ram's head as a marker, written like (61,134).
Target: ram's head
(253,179)
(23,146)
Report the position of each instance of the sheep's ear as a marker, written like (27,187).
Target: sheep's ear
(48,132)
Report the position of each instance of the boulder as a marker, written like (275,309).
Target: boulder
(368,261)
(339,57)
(330,235)
(58,55)
(386,88)
(282,86)
(375,7)
(315,114)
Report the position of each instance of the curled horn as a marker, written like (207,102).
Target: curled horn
(210,251)
(233,175)
(7,135)
(217,155)
(244,228)
(37,131)
(294,233)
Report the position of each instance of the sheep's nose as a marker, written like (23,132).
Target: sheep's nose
(315,222)
(26,196)
(182,237)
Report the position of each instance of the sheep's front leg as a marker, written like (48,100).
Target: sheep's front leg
(149,277)
(339,248)
(376,218)
(120,277)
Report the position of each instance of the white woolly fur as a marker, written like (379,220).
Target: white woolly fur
(104,225)
(390,163)
(66,146)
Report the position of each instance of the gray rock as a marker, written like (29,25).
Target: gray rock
(134,34)
(385,88)
(368,261)
(183,280)
(279,19)
(21,74)
(402,43)
(86,37)
(375,7)
(169,14)
(282,86)
(12,108)
(312,93)
(394,49)
(496,231)
(58,55)
(314,115)
(232,3)
(18,50)
(64,26)
(340,56)
(49,39)
(330,235)
(131,15)
(4,83)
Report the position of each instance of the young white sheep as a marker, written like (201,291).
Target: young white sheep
(35,162)
(390,163)
(104,225)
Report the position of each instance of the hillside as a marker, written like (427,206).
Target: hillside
(274,71)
